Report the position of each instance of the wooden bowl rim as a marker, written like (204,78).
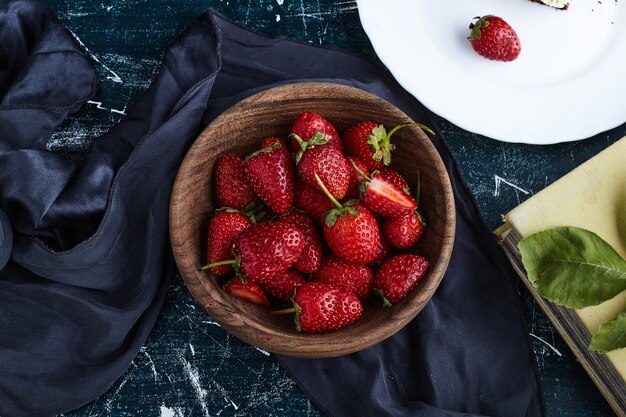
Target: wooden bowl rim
(265,336)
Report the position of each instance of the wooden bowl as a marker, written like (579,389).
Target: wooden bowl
(240,130)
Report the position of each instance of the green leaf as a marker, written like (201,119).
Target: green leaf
(610,336)
(573,267)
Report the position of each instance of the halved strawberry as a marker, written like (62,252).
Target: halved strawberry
(384,197)
(248,291)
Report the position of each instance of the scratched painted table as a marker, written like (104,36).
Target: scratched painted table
(189,365)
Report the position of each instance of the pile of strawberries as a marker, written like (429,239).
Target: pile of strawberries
(306,220)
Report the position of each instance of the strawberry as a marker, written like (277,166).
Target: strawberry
(394,177)
(384,197)
(322,308)
(267,249)
(270,171)
(329,164)
(495,39)
(398,276)
(354,192)
(311,256)
(351,230)
(282,285)
(231,186)
(224,227)
(352,234)
(264,250)
(383,251)
(404,231)
(358,279)
(370,143)
(248,291)
(311,200)
(308,124)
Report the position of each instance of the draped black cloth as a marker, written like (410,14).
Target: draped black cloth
(85,261)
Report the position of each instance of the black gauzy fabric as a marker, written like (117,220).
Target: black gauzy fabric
(88,241)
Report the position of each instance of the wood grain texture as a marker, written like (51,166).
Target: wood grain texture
(240,130)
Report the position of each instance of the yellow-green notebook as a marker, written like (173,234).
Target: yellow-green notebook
(592,196)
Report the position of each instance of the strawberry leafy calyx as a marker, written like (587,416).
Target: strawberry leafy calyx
(317,139)
(380,141)
(476,26)
(267,149)
(348,208)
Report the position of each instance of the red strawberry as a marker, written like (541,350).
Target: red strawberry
(231,186)
(398,276)
(404,231)
(308,124)
(224,227)
(329,164)
(383,251)
(494,38)
(322,308)
(311,200)
(267,249)
(352,234)
(358,279)
(270,171)
(282,285)
(370,143)
(394,177)
(248,291)
(356,179)
(384,197)
(311,256)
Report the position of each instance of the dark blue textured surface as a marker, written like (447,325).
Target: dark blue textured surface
(190,366)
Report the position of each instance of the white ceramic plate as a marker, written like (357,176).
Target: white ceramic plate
(568,83)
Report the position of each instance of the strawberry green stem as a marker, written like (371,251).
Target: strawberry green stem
(361,173)
(219,263)
(381,294)
(325,190)
(284,311)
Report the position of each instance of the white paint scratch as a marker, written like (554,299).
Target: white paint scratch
(547,344)
(278,18)
(265,352)
(152,366)
(225,395)
(214,323)
(168,412)
(499,180)
(113,77)
(280,2)
(193,351)
(99,106)
(303,15)
(194,378)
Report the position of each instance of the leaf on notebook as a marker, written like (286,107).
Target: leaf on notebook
(573,267)
(610,336)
